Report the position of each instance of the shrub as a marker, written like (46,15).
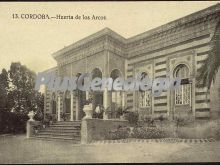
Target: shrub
(120,133)
(12,122)
(62,115)
(138,132)
(132,117)
(149,121)
(39,116)
(119,112)
(148,133)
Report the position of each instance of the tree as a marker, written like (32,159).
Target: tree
(22,96)
(4,84)
(208,71)
(17,98)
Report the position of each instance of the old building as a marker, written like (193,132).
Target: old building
(179,47)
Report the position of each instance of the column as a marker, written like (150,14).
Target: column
(87,95)
(77,108)
(105,99)
(58,108)
(105,102)
(71,107)
(123,99)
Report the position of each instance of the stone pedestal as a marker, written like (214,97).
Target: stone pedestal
(30,127)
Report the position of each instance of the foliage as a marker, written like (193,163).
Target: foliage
(209,69)
(182,120)
(4,84)
(100,114)
(22,91)
(48,117)
(136,132)
(119,112)
(119,133)
(63,116)
(149,120)
(132,118)
(39,116)
(148,133)
(18,98)
(88,101)
(125,110)
(12,122)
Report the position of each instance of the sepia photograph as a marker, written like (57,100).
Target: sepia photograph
(109,82)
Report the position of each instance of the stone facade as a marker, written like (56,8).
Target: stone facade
(179,47)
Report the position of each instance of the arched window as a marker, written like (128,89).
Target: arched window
(144,96)
(183,93)
(53,103)
(182,71)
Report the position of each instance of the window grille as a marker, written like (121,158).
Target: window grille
(183,93)
(144,96)
(144,99)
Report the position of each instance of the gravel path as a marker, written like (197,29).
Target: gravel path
(18,149)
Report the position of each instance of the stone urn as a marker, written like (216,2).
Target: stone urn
(31,115)
(88,111)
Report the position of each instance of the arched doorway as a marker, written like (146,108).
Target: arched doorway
(182,95)
(96,95)
(116,96)
(53,103)
(80,99)
(67,104)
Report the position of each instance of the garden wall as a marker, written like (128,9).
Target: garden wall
(96,129)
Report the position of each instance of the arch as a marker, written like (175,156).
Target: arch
(115,73)
(80,99)
(53,103)
(96,73)
(67,104)
(182,95)
(180,64)
(96,95)
(181,71)
(116,96)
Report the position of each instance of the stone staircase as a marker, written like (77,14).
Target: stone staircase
(64,130)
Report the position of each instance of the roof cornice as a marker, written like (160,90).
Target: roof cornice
(176,23)
(108,32)
(101,33)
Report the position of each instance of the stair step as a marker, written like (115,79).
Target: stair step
(58,134)
(61,131)
(53,125)
(63,128)
(67,122)
(57,137)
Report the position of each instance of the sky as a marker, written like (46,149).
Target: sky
(32,41)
